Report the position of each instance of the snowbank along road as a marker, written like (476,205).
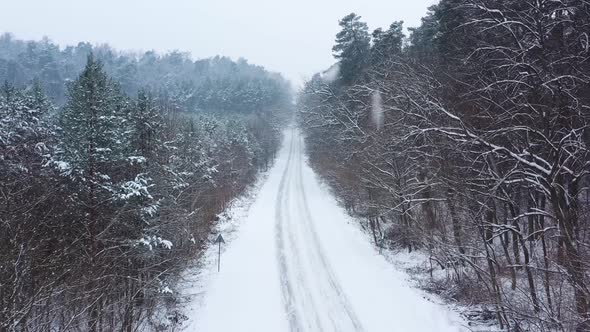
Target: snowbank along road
(299,264)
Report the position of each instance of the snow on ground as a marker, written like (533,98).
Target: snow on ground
(196,280)
(423,273)
(299,263)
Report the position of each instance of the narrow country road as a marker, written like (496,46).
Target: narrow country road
(299,264)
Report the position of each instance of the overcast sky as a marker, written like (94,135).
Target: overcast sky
(293,37)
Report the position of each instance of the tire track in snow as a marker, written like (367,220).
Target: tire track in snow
(309,287)
(286,288)
(334,288)
(309,314)
(296,294)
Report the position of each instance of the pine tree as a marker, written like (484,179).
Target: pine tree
(91,125)
(144,153)
(91,153)
(352,46)
(146,124)
(387,44)
(36,98)
(423,39)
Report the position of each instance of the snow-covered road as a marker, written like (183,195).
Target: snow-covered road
(298,263)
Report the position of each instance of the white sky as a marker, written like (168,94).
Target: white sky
(292,37)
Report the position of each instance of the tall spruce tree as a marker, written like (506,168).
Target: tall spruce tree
(91,153)
(92,126)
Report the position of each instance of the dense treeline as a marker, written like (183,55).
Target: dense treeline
(215,84)
(470,141)
(106,199)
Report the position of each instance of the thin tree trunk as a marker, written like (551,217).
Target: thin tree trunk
(547,279)
(509,262)
(501,315)
(567,218)
(455,221)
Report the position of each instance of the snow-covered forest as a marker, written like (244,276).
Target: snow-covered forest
(113,168)
(429,178)
(469,140)
(214,84)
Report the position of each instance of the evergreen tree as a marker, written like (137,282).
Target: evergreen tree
(37,99)
(146,124)
(387,44)
(92,124)
(352,47)
(91,153)
(423,39)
